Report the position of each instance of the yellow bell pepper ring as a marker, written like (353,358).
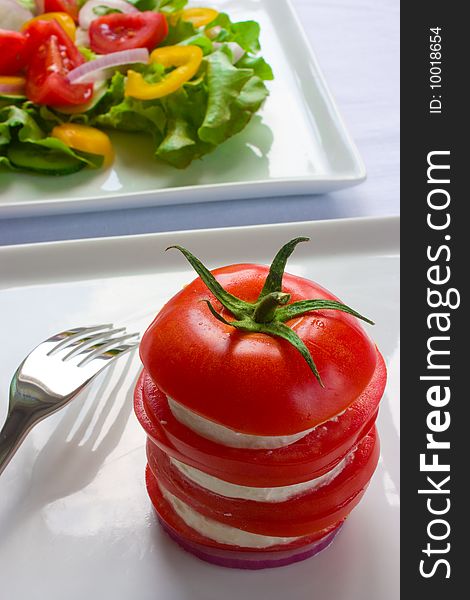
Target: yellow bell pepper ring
(199,17)
(85,139)
(13,80)
(185,59)
(62,18)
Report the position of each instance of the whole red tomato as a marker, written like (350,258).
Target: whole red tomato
(253,382)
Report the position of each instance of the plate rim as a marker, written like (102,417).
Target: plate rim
(14,258)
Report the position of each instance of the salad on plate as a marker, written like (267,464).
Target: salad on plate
(72,69)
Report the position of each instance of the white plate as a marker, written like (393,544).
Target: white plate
(297,145)
(75,520)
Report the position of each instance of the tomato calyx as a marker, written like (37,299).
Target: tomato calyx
(271,310)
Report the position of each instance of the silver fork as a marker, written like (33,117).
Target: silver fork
(54,373)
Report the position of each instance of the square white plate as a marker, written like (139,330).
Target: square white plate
(75,519)
(297,145)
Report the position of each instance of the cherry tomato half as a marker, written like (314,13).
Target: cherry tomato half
(13,52)
(53,56)
(118,31)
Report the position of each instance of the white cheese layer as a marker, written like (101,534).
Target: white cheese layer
(220,532)
(227,436)
(266,494)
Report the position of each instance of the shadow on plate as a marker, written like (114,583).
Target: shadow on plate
(70,460)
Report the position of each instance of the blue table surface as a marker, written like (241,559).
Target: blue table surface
(357,46)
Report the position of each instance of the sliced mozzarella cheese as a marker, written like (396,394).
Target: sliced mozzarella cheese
(266,494)
(220,532)
(227,436)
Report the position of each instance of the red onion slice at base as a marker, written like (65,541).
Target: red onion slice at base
(250,560)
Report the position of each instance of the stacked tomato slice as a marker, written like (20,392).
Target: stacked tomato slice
(259,386)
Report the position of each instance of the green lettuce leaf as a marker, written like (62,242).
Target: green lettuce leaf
(185,111)
(29,4)
(201,40)
(233,96)
(179,32)
(19,130)
(16,122)
(87,53)
(260,67)
(5,163)
(245,33)
(135,115)
(165,6)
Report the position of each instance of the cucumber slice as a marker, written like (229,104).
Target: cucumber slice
(43,160)
(12,97)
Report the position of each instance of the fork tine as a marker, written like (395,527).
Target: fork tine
(42,384)
(119,351)
(102,360)
(65,338)
(99,350)
(82,343)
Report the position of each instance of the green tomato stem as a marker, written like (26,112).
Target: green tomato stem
(272,309)
(266,309)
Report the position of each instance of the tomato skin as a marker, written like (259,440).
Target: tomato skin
(56,91)
(255,383)
(310,457)
(118,31)
(53,56)
(13,52)
(39,31)
(63,19)
(171,519)
(68,6)
(298,516)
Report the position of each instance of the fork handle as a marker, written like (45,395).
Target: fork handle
(14,430)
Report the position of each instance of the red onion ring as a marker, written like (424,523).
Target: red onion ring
(87,71)
(237,51)
(250,560)
(12,89)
